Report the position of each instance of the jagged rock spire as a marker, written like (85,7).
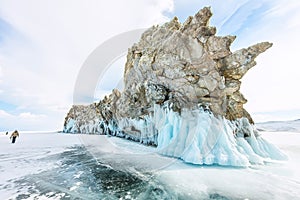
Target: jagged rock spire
(182,66)
(192,64)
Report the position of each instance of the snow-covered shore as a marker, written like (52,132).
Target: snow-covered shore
(36,154)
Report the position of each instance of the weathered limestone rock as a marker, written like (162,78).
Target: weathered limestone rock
(179,65)
(181,94)
(192,63)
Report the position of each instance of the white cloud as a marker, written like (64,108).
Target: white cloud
(0,75)
(25,121)
(272,85)
(30,116)
(59,37)
(4,114)
(52,38)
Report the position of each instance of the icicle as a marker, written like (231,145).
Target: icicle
(195,136)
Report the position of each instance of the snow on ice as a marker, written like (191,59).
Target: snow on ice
(26,166)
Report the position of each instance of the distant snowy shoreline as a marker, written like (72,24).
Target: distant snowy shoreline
(279,126)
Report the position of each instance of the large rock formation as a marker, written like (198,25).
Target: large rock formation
(186,65)
(174,68)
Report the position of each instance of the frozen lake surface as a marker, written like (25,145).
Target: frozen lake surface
(66,166)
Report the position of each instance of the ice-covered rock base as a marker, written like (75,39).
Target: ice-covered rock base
(182,94)
(199,137)
(195,136)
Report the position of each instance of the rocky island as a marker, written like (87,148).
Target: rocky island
(182,95)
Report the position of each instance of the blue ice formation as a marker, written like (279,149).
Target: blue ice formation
(196,136)
(200,137)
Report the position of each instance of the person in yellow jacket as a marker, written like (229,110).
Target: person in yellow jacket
(14,136)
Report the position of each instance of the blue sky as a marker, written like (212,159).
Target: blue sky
(43,44)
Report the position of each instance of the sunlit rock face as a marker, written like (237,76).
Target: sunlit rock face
(188,65)
(177,70)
